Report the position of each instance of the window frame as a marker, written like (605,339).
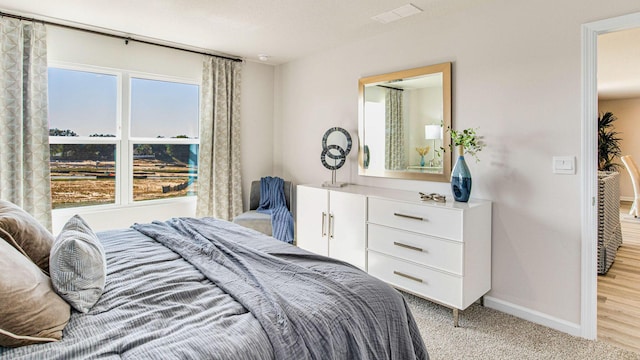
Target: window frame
(123,141)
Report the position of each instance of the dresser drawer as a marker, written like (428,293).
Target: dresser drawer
(429,220)
(422,249)
(432,284)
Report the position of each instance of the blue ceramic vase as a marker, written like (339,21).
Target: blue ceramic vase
(421,160)
(461,178)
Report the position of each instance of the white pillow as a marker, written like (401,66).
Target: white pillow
(77,265)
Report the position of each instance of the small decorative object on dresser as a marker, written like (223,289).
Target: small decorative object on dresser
(465,141)
(336,145)
(433,197)
(461,178)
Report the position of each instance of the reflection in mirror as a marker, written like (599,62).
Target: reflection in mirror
(402,117)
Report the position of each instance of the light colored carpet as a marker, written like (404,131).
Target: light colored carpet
(489,334)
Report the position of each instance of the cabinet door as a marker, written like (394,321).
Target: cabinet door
(347,227)
(312,213)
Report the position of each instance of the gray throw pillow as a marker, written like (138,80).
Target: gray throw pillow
(25,233)
(77,265)
(30,311)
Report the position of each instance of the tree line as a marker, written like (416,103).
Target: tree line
(170,153)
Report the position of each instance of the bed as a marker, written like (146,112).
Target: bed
(204,288)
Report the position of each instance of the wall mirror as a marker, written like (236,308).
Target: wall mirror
(403,117)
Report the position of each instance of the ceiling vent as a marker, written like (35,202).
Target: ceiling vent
(397,14)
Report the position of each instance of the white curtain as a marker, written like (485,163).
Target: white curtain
(219,181)
(24,135)
(395,158)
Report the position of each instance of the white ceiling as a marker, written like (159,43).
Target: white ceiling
(619,65)
(283,29)
(289,29)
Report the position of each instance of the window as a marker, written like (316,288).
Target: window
(83,120)
(99,156)
(164,132)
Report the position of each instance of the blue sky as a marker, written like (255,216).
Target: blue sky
(86,103)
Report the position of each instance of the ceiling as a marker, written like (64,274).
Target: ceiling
(619,65)
(282,29)
(286,30)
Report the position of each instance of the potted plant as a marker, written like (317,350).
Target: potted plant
(608,142)
(468,141)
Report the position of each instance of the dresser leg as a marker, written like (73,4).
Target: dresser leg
(455,317)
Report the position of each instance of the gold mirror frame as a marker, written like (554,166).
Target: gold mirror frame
(445,69)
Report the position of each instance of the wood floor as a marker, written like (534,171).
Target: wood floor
(619,290)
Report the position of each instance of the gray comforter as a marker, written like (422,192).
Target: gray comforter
(208,289)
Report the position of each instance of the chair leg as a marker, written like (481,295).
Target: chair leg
(634,209)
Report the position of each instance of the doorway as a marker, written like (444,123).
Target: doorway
(590,33)
(618,286)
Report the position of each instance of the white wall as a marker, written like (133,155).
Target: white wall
(628,125)
(516,76)
(257,101)
(69,46)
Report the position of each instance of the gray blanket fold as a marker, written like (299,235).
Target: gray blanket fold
(307,313)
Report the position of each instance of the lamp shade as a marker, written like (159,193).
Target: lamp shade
(432,132)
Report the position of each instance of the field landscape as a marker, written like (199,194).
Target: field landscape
(88,182)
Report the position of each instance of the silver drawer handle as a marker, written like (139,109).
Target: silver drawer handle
(407,246)
(331,225)
(408,216)
(324,224)
(407,276)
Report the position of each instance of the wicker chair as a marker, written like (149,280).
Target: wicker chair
(609,230)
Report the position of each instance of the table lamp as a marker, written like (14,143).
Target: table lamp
(433,132)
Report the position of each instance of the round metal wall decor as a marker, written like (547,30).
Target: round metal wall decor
(336,145)
(338,161)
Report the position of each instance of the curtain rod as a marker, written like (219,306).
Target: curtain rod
(390,87)
(125,38)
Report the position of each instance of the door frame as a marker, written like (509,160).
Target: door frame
(589,144)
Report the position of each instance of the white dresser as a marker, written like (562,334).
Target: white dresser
(437,251)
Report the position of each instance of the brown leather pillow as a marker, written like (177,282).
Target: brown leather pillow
(26,234)
(30,312)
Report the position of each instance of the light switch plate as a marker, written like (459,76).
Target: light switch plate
(564,165)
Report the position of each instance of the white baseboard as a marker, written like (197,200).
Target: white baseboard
(626,198)
(533,316)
